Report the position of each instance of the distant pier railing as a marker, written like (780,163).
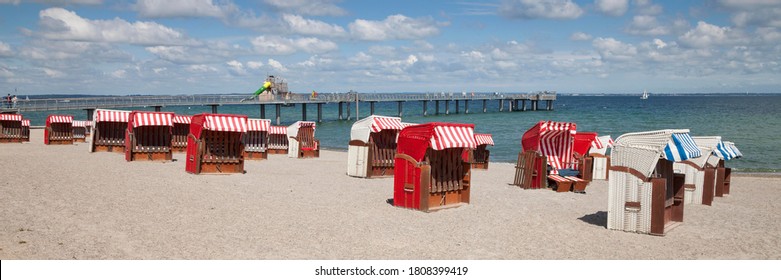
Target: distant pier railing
(91,103)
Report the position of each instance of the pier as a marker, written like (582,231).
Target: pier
(461,102)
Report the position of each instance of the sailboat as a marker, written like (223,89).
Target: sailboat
(645,95)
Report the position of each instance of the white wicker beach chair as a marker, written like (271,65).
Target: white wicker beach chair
(644,195)
(700,172)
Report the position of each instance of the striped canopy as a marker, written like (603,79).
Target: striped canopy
(416,139)
(79,124)
(229,123)
(363,128)
(25,122)
(483,139)
(103,115)
(10,117)
(381,123)
(292,130)
(258,124)
(140,118)
(735,151)
(59,119)
(276,129)
(681,147)
(449,136)
(182,119)
(553,140)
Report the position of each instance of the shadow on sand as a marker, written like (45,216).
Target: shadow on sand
(598,219)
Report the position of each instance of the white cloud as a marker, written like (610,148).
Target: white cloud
(308,7)
(646,25)
(5,72)
(394,27)
(659,43)
(706,35)
(236,68)
(612,7)
(53,73)
(613,50)
(200,68)
(119,74)
(183,8)
(300,25)
(580,36)
(5,49)
(275,45)
(646,7)
(15,2)
(533,9)
(56,2)
(276,65)
(61,24)
(159,70)
(254,65)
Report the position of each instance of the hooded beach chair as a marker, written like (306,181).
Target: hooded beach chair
(432,169)
(725,152)
(301,140)
(277,140)
(79,131)
(644,193)
(179,133)
(108,132)
(25,130)
(372,146)
(59,130)
(11,128)
(256,139)
(479,157)
(700,172)
(214,144)
(547,152)
(148,136)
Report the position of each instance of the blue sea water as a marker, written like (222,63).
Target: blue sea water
(752,122)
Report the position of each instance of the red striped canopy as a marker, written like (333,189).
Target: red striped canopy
(89,123)
(182,119)
(553,140)
(306,124)
(59,119)
(483,139)
(10,117)
(275,129)
(79,124)
(102,115)
(382,123)
(258,124)
(583,142)
(230,123)
(25,122)
(416,139)
(139,118)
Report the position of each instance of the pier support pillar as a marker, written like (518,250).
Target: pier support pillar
(214,108)
(484,102)
(447,107)
(437,103)
(523,105)
(501,105)
(319,112)
(371,107)
(303,111)
(90,114)
(550,105)
(157,108)
(534,105)
(466,106)
(511,101)
(425,107)
(262,111)
(340,110)
(401,108)
(348,111)
(279,112)
(457,104)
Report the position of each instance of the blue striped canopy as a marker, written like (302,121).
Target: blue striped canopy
(681,147)
(731,147)
(724,151)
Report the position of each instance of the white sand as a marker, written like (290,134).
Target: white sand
(62,202)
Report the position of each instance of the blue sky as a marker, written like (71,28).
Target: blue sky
(229,46)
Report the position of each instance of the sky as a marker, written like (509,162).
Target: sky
(230,46)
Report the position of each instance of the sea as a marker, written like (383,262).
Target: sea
(753,122)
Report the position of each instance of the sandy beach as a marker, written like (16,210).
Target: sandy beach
(62,202)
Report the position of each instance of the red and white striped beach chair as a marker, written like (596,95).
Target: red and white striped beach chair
(432,169)
(11,128)
(547,143)
(79,131)
(256,139)
(372,146)
(25,130)
(480,156)
(277,140)
(644,193)
(59,130)
(148,136)
(108,133)
(301,140)
(214,144)
(179,133)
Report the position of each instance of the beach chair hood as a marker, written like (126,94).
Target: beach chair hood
(642,150)
(143,118)
(584,141)
(103,115)
(217,122)
(292,130)
(181,119)
(10,117)
(553,140)
(415,140)
(483,139)
(258,124)
(361,129)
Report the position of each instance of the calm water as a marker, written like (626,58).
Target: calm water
(752,122)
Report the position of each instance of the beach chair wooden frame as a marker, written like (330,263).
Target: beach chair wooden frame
(179,132)
(214,148)
(108,133)
(59,130)
(148,136)
(559,183)
(25,130)
(645,195)
(372,147)
(11,129)
(79,131)
(301,140)
(277,140)
(480,157)
(531,170)
(429,179)
(600,165)
(256,140)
